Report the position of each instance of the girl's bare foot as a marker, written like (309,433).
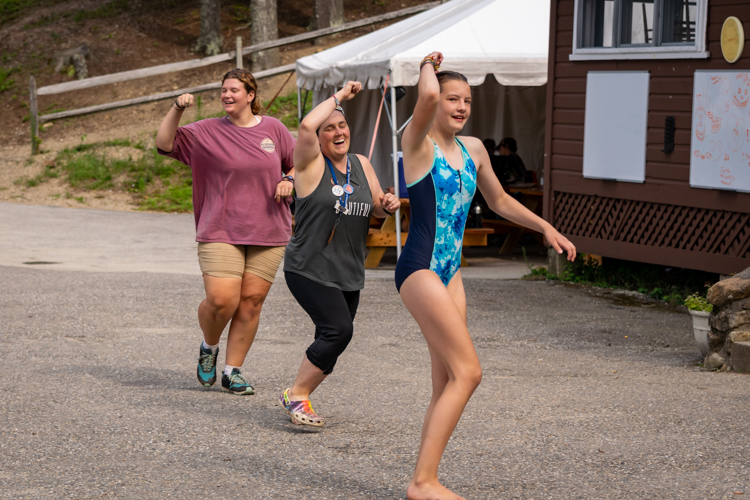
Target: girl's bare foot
(430,491)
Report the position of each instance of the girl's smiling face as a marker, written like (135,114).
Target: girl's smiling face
(455,104)
(234,97)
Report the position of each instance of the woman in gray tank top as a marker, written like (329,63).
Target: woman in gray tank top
(335,195)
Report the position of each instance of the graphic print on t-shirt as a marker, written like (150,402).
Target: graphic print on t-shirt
(358,205)
(359,209)
(268,145)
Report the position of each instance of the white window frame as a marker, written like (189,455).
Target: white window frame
(697,51)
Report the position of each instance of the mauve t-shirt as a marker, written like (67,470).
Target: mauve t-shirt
(235,174)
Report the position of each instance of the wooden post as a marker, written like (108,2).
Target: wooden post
(34,110)
(238,52)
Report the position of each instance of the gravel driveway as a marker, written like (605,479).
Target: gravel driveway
(586,395)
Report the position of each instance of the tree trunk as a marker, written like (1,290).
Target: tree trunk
(209,41)
(264,28)
(329,13)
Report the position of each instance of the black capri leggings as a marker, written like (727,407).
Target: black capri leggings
(332,310)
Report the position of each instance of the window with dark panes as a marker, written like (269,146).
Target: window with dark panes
(598,16)
(678,21)
(638,25)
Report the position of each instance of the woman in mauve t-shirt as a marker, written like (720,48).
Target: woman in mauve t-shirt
(242,179)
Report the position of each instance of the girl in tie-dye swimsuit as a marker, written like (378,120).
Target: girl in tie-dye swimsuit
(440,203)
(443,171)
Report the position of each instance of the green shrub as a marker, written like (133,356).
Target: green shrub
(671,285)
(535,272)
(696,302)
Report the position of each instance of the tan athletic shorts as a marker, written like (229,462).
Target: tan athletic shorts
(224,260)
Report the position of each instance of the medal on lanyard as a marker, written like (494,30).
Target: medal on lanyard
(338,190)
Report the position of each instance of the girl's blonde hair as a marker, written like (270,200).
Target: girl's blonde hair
(249,80)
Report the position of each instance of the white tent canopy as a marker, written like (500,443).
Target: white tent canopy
(506,38)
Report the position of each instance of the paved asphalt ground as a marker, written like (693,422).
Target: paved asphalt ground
(586,394)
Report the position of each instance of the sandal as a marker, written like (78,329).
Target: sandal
(301,411)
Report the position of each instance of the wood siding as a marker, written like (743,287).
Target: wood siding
(665,205)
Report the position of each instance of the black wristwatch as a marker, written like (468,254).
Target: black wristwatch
(288,178)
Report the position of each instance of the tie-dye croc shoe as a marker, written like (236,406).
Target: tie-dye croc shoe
(301,412)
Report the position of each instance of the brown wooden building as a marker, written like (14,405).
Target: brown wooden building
(660,218)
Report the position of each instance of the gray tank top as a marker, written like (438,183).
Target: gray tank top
(340,263)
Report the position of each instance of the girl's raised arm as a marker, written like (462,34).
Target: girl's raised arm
(307,148)
(427,101)
(168,128)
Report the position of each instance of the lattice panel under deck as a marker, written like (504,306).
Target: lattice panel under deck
(715,232)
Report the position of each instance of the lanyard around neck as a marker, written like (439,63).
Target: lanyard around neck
(347,186)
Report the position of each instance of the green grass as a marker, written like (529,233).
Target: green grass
(669,284)
(50,172)
(43,21)
(172,199)
(535,272)
(284,108)
(11,9)
(111,9)
(52,108)
(6,82)
(156,182)
(125,143)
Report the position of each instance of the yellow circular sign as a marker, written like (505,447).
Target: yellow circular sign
(732,39)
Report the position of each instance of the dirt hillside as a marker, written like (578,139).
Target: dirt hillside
(122,35)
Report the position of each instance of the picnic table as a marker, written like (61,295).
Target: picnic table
(379,239)
(532,199)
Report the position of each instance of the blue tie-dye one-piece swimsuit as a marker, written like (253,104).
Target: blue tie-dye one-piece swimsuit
(439,204)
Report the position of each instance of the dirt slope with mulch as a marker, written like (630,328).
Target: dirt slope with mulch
(123,35)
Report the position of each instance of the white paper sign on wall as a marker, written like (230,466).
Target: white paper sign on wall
(616,122)
(720,135)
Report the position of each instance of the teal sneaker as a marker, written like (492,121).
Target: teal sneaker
(236,383)
(207,366)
